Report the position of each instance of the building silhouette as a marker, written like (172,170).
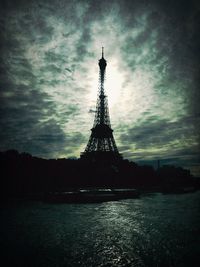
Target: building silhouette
(101,144)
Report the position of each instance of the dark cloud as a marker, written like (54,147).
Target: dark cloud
(174,143)
(157,133)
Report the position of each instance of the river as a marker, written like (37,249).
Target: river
(153,230)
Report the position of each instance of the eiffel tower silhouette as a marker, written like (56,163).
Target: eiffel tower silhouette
(101,144)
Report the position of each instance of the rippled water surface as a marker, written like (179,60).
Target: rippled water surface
(153,230)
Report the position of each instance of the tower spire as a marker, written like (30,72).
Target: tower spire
(101,144)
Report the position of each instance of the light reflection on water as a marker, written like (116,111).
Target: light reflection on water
(156,230)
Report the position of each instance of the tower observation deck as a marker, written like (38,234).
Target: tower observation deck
(101,144)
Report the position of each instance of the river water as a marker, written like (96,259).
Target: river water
(153,230)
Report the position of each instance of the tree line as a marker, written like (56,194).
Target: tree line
(23,175)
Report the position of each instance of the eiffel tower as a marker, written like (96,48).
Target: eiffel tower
(101,144)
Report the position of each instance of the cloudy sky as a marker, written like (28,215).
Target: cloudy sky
(49,77)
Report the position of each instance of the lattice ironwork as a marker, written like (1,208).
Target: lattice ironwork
(101,139)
